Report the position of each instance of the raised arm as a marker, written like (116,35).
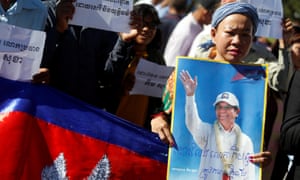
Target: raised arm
(198,129)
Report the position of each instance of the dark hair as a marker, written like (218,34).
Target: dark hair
(296,36)
(179,5)
(144,10)
(296,29)
(156,41)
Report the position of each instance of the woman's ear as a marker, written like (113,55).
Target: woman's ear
(213,32)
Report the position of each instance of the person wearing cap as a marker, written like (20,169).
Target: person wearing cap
(233,28)
(222,137)
(186,30)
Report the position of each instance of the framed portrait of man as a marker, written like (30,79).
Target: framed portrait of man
(218,119)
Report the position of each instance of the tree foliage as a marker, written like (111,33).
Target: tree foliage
(291,9)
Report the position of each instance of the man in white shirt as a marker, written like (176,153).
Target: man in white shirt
(186,30)
(226,150)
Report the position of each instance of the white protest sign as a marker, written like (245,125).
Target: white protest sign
(270,14)
(150,78)
(21,52)
(111,15)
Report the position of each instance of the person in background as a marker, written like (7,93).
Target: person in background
(281,160)
(290,128)
(295,47)
(177,10)
(141,42)
(76,57)
(162,8)
(187,28)
(30,14)
(239,38)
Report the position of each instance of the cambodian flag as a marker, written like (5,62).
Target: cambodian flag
(45,134)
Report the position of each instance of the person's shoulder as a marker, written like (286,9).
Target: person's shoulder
(258,51)
(183,26)
(204,35)
(49,3)
(34,4)
(186,19)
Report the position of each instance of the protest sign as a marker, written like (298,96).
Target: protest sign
(111,15)
(150,78)
(200,151)
(270,15)
(21,52)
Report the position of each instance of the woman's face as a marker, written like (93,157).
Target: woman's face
(295,50)
(233,37)
(146,30)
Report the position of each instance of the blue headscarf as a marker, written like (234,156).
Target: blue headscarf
(235,8)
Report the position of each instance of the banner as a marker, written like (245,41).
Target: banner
(45,134)
(205,149)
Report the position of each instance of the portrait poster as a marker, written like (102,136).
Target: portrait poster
(248,83)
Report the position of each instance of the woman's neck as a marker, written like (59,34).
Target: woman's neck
(140,48)
(218,57)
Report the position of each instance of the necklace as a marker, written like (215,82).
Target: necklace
(227,162)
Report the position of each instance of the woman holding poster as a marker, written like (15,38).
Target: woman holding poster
(233,28)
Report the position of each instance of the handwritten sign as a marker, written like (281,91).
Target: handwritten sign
(21,52)
(150,78)
(111,15)
(270,14)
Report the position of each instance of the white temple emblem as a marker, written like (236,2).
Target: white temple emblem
(58,170)
(102,170)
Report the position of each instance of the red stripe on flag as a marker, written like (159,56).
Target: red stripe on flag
(28,145)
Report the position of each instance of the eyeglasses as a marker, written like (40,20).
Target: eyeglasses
(150,25)
(226,108)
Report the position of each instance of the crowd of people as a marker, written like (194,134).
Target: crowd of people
(97,66)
